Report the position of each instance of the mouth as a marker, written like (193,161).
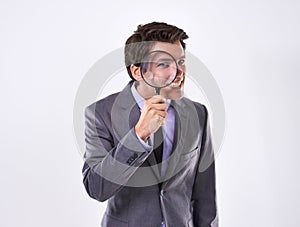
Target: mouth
(176,84)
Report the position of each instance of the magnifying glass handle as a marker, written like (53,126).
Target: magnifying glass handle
(157,90)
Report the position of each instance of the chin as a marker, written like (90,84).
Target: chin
(173,93)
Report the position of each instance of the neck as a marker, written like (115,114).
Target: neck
(144,90)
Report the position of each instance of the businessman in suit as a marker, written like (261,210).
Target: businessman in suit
(151,156)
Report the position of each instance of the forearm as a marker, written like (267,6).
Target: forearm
(105,175)
(109,163)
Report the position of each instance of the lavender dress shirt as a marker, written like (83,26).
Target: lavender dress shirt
(168,130)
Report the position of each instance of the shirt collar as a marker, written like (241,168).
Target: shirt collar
(139,99)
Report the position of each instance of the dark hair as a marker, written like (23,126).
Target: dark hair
(139,44)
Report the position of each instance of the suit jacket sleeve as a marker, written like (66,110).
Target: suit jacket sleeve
(108,165)
(204,192)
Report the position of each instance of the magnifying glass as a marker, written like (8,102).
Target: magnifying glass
(159,69)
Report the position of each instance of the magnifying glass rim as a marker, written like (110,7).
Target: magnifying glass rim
(159,51)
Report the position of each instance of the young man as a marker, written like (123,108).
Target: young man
(151,155)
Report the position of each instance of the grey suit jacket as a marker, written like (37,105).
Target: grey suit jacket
(117,167)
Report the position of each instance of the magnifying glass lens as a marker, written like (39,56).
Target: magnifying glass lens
(159,69)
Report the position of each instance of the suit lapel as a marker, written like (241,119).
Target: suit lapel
(178,141)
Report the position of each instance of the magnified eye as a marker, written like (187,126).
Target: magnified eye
(163,64)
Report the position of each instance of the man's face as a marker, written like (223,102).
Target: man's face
(176,89)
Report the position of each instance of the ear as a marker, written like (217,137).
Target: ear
(135,71)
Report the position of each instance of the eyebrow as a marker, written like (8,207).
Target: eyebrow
(169,59)
(164,59)
(182,56)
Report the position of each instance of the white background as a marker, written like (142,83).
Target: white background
(251,48)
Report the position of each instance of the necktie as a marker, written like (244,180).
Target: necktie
(158,145)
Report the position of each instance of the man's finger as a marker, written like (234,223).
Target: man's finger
(157,99)
(159,106)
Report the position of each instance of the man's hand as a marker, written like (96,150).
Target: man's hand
(153,116)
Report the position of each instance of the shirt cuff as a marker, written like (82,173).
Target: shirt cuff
(146,144)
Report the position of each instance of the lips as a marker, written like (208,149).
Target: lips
(176,84)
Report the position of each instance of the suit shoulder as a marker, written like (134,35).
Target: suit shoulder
(201,108)
(104,103)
